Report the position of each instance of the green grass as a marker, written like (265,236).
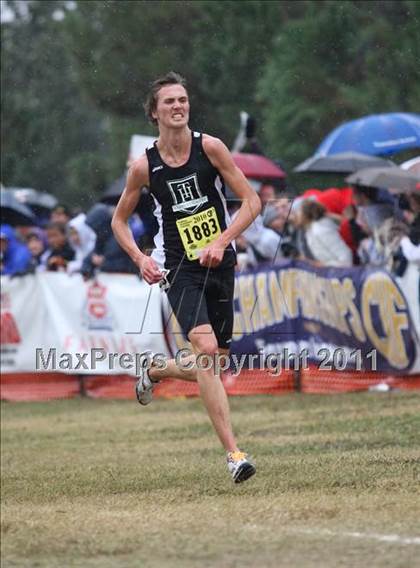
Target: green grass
(92,483)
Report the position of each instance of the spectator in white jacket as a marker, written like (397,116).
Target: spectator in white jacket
(322,235)
(82,240)
(265,242)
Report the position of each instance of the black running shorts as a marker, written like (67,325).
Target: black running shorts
(203,297)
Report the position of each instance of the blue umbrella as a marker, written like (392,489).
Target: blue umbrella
(376,135)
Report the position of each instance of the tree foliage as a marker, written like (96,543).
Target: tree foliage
(340,61)
(221,47)
(50,134)
(75,75)
(121,46)
(234,41)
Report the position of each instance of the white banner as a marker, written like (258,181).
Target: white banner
(54,322)
(23,316)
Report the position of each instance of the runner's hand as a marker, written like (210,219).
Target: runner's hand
(212,255)
(150,270)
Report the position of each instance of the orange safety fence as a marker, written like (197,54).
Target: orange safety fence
(38,386)
(46,386)
(313,380)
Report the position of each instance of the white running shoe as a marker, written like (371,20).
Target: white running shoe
(240,466)
(145,385)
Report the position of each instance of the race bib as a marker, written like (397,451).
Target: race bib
(197,231)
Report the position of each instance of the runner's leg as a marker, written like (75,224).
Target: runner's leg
(186,298)
(186,372)
(175,371)
(212,390)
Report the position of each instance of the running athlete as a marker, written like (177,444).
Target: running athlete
(194,255)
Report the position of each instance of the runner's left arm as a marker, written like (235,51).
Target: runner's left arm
(222,160)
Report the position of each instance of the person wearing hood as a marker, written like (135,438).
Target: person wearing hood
(14,255)
(82,239)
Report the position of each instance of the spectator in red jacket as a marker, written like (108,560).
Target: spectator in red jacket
(339,204)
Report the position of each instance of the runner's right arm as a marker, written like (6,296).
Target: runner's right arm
(138,177)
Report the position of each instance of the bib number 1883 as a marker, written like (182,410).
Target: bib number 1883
(197,231)
(206,229)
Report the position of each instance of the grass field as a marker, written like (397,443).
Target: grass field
(111,484)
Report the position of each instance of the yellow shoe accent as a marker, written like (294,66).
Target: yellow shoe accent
(237,456)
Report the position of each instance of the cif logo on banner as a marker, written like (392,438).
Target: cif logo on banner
(9,333)
(354,308)
(96,311)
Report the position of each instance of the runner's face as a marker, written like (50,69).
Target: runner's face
(173,107)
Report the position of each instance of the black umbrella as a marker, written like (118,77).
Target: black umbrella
(144,208)
(39,201)
(395,179)
(13,212)
(343,163)
(113,193)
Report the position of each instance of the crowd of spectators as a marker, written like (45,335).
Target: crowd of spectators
(79,243)
(335,227)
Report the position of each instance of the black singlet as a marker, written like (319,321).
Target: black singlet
(190,208)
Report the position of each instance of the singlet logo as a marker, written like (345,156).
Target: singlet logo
(186,194)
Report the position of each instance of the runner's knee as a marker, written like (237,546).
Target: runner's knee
(204,343)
